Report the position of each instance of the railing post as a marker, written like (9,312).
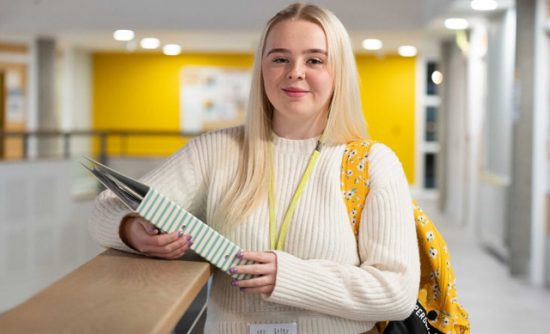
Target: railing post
(103,147)
(26,145)
(1,144)
(66,145)
(124,143)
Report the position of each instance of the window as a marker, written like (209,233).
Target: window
(430,170)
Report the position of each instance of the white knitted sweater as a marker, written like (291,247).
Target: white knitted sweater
(327,280)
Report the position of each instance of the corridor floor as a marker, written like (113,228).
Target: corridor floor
(496,302)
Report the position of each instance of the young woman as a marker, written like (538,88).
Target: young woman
(315,274)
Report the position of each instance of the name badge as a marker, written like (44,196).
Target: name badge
(283,328)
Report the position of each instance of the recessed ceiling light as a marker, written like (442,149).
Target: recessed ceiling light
(407,51)
(171,49)
(483,4)
(437,77)
(372,44)
(456,24)
(123,35)
(150,43)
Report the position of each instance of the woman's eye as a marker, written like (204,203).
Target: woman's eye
(279,60)
(314,61)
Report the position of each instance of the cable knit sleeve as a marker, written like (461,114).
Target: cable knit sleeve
(178,177)
(384,286)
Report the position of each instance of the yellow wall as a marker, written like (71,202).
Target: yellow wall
(141,91)
(388,97)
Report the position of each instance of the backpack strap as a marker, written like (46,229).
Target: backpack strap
(355,179)
(437,292)
(355,185)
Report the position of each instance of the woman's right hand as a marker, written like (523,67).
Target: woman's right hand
(144,237)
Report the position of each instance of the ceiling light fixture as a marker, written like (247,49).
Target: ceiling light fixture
(483,4)
(456,24)
(171,49)
(437,77)
(150,43)
(372,44)
(123,35)
(407,51)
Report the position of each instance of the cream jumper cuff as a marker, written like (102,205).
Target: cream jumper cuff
(341,290)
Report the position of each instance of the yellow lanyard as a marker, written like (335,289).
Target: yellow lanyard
(277,240)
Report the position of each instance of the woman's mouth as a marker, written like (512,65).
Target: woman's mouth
(294,92)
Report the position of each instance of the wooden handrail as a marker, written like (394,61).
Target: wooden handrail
(102,135)
(114,292)
(90,133)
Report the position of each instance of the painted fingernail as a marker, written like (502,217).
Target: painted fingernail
(240,254)
(234,283)
(180,234)
(189,238)
(233,270)
(190,243)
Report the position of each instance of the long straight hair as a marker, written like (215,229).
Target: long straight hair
(345,120)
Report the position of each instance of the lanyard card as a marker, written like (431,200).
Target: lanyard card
(280,328)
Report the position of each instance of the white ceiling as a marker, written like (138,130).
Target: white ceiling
(206,24)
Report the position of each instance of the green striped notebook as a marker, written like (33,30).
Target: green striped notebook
(211,245)
(169,217)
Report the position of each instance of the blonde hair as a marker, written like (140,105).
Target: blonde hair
(345,121)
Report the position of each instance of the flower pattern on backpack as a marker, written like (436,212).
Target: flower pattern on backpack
(355,181)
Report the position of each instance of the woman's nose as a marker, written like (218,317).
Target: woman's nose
(296,71)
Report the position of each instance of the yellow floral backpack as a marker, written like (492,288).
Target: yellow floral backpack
(437,309)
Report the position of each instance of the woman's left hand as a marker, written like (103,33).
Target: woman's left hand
(265,269)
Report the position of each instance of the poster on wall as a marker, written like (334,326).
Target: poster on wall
(212,97)
(15,99)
